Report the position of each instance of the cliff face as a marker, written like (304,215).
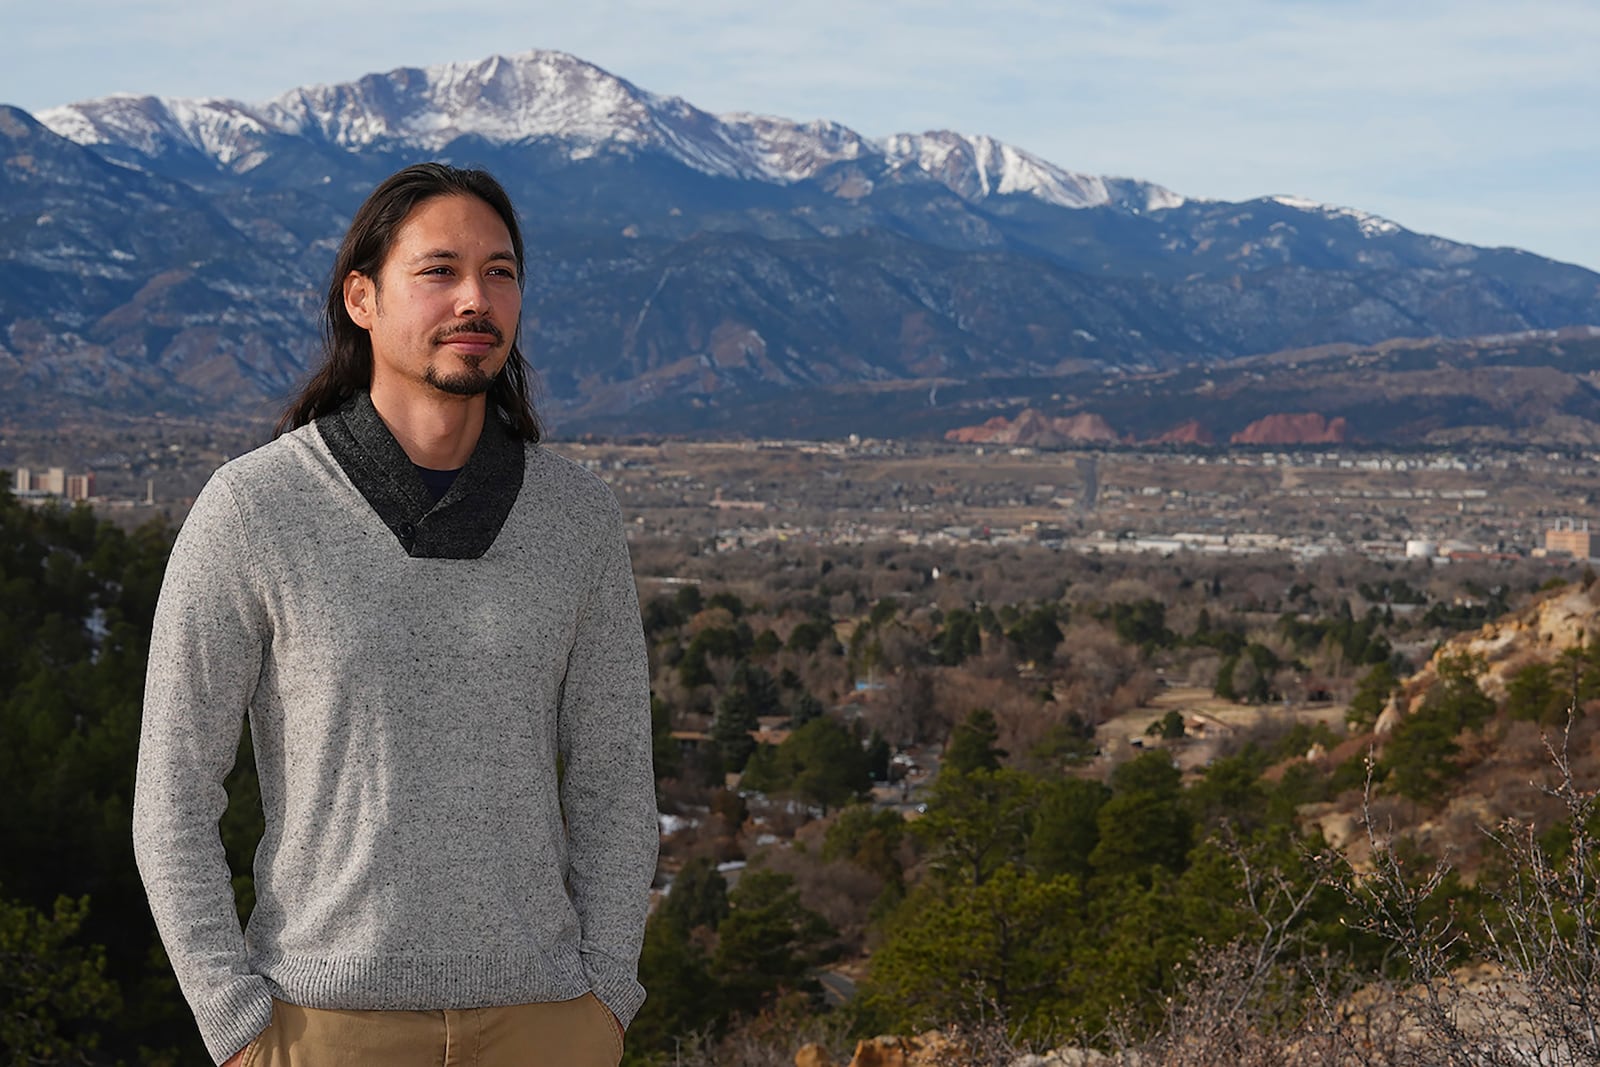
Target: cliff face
(1307,429)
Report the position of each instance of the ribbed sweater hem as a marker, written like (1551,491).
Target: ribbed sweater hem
(412,983)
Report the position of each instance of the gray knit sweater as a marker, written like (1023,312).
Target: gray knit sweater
(412,673)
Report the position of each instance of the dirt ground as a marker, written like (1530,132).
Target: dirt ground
(1210,724)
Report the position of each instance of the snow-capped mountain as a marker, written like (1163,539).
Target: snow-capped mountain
(544,95)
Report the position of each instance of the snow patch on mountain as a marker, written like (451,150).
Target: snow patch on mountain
(789,151)
(978,167)
(1371,225)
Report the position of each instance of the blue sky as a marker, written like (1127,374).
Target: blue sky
(1475,120)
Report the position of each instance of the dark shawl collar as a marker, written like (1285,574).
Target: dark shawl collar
(465,521)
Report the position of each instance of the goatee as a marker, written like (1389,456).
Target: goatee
(469,382)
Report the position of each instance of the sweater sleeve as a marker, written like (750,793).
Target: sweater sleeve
(608,785)
(205,657)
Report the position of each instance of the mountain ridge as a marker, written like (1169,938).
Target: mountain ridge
(546,94)
(688,269)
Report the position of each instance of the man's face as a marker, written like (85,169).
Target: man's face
(443,310)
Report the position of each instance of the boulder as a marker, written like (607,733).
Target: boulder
(812,1056)
(935,1049)
(880,1052)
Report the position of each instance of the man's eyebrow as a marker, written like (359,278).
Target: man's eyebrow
(451,254)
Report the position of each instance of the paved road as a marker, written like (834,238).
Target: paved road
(836,988)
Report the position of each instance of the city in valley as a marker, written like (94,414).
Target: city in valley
(1384,504)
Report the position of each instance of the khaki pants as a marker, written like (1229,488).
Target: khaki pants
(565,1033)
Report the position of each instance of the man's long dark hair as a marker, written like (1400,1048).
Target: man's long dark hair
(347,348)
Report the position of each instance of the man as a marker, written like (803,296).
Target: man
(431,622)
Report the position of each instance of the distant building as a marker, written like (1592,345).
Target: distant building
(717,501)
(1417,548)
(54,482)
(1569,537)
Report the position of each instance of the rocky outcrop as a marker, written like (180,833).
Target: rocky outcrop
(1307,429)
(1539,633)
(1035,428)
(1191,432)
(812,1056)
(1497,770)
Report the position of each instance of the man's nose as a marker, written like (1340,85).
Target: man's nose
(472,298)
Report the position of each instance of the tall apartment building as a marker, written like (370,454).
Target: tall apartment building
(1569,537)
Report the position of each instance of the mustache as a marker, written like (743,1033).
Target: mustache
(481,327)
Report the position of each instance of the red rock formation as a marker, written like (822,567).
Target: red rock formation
(989,431)
(1307,429)
(1086,426)
(1186,433)
(1034,428)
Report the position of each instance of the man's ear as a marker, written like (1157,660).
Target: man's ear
(360,299)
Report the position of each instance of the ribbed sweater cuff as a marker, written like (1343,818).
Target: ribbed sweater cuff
(615,985)
(234,1017)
